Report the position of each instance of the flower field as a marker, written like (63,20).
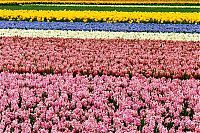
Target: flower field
(110,66)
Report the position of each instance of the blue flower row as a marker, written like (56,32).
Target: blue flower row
(97,26)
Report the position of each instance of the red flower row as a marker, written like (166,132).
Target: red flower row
(97,57)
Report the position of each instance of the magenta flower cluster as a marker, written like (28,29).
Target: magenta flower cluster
(60,103)
(97,57)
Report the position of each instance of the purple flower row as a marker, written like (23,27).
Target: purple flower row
(55,103)
(97,26)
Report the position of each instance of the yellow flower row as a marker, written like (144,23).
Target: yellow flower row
(106,16)
(102,1)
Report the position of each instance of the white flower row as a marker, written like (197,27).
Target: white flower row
(80,5)
(100,35)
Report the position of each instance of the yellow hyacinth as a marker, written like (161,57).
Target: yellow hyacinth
(113,16)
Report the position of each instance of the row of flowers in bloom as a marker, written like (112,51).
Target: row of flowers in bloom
(170,59)
(103,16)
(55,103)
(97,26)
(100,34)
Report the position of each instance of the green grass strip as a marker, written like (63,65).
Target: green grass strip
(154,4)
(92,5)
(125,8)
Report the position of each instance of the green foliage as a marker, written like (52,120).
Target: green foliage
(142,123)
(111,100)
(97,8)
(156,130)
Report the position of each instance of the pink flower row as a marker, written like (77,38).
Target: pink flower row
(61,103)
(109,57)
